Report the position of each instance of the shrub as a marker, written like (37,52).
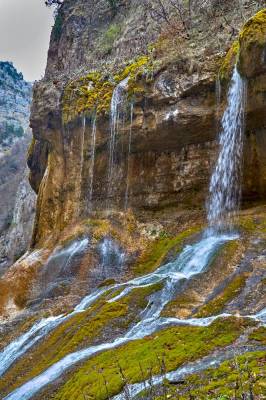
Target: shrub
(109,37)
(57,28)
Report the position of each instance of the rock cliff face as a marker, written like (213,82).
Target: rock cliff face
(174,124)
(15,137)
(125,127)
(136,133)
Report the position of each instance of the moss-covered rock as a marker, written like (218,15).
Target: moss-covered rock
(234,379)
(81,330)
(93,93)
(252,40)
(157,250)
(229,61)
(249,50)
(216,305)
(138,359)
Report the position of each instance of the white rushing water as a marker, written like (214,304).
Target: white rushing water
(174,376)
(39,330)
(225,185)
(193,260)
(60,262)
(117,109)
(111,256)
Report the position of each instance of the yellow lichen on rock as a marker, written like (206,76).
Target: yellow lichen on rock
(252,41)
(93,92)
(254,31)
(229,61)
(248,49)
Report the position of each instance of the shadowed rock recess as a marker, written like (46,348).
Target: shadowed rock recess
(145,278)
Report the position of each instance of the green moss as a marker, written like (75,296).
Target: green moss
(176,346)
(229,381)
(93,92)
(107,282)
(254,31)
(109,37)
(247,224)
(229,61)
(216,305)
(259,335)
(31,148)
(252,35)
(254,223)
(78,332)
(189,300)
(158,250)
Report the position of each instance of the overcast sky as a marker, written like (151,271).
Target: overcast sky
(25,27)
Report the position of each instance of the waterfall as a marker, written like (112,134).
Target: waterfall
(111,257)
(128,156)
(192,260)
(225,184)
(93,143)
(117,109)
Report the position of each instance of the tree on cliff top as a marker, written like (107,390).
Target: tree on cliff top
(112,3)
(53,2)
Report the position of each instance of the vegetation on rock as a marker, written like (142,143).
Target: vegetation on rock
(175,346)
(93,93)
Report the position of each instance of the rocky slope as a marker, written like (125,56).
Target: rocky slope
(15,105)
(14,139)
(124,139)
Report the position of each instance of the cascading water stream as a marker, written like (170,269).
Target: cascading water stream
(194,259)
(225,185)
(40,329)
(184,267)
(192,368)
(117,109)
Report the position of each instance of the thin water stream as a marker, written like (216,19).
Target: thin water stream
(192,260)
(118,103)
(211,361)
(150,321)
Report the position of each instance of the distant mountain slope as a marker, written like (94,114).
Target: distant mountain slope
(15,98)
(15,135)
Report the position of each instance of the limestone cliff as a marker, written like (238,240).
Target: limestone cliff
(174,123)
